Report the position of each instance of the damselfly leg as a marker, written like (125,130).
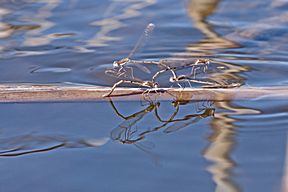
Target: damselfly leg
(147,84)
(200,63)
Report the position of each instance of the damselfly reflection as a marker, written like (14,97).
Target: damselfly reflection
(203,109)
(135,127)
(127,131)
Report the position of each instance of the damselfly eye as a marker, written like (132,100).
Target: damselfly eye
(172,79)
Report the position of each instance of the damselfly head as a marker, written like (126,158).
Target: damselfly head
(115,64)
(203,61)
(155,84)
(150,27)
(172,79)
(121,62)
(151,84)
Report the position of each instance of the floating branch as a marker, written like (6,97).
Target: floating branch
(68,93)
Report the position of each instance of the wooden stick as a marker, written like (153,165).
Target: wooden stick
(73,93)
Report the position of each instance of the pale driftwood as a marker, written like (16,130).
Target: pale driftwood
(67,93)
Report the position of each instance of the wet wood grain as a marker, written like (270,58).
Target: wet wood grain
(70,93)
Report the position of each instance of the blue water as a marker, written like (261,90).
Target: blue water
(237,145)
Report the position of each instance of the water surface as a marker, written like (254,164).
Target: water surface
(130,146)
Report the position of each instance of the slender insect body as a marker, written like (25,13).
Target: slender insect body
(123,68)
(141,41)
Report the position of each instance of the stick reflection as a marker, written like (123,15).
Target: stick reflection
(131,131)
(32,143)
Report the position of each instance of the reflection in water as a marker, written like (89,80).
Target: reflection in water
(222,142)
(284,185)
(279,3)
(222,139)
(199,10)
(188,120)
(4,27)
(262,33)
(28,144)
(32,25)
(129,131)
(228,72)
(8,29)
(36,37)
(36,25)
(51,69)
(111,22)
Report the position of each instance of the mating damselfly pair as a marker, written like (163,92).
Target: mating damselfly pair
(123,70)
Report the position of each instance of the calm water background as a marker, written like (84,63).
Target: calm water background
(91,146)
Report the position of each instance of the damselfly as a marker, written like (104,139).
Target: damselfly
(173,65)
(122,63)
(131,80)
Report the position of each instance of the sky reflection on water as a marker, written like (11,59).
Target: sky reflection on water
(125,146)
